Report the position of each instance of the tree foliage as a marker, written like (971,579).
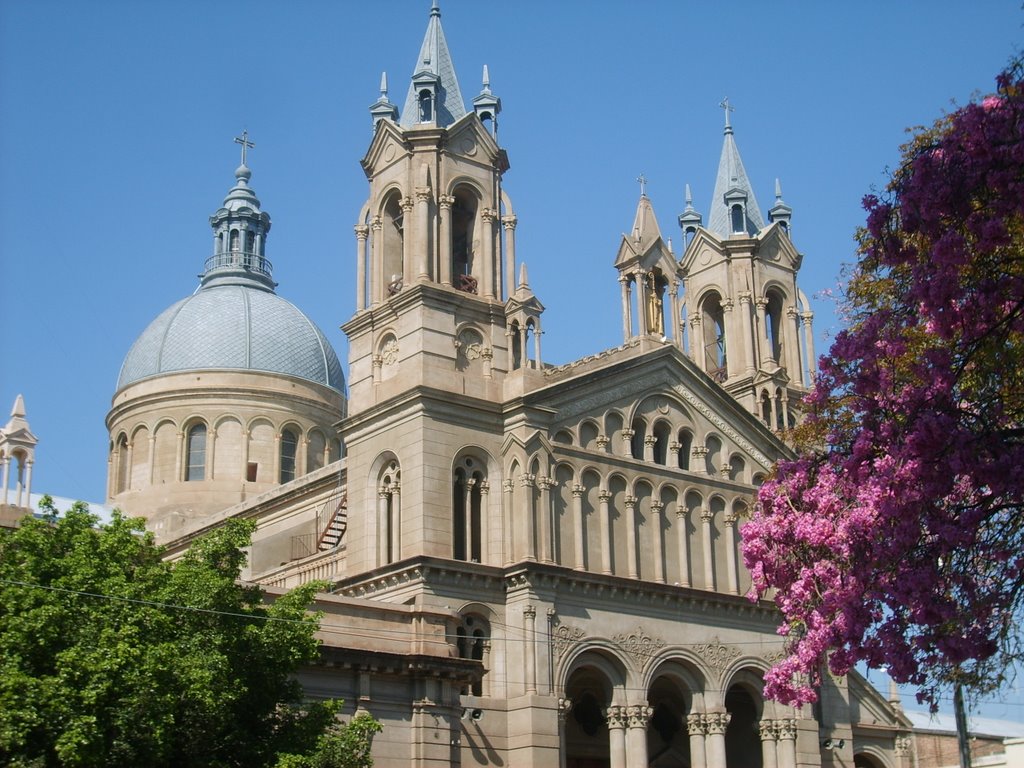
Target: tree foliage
(111,656)
(896,537)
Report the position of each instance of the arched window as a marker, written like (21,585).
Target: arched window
(737,219)
(235,242)
(471,638)
(389,521)
(636,442)
(195,453)
(122,464)
(713,322)
(773,317)
(464,240)
(766,408)
(468,488)
(393,250)
(685,448)
(289,447)
(426,107)
(517,345)
(662,431)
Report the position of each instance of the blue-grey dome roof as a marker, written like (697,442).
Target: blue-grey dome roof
(236,327)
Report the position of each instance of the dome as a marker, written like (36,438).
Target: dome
(234,327)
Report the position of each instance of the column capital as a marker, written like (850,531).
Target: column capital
(766,728)
(578,491)
(762,302)
(508,485)
(717,722)
(487,215)
(362,231)
(630,501)
(422,194)
(530,612)
(509,222)
(696,724)
(745,297)
(639,715)
(564,707)
(650,440)
(602,442)
(446,201)
(706,514)
(786,729)
(604,496)
(407,204)
(527,480)
(545,483)
(617,717)
(376,224)
(730,518)
(806,317)
(657,506)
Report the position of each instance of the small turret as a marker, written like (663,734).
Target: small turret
(486,105)
(689,220)
(434,97)
(383,108)
(17,451)
(780,212)
(734,209)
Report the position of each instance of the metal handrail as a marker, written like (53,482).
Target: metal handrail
(243,259)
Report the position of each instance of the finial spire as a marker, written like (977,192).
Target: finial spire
(689,198)
(383,86)
(487,80)
(643,185)
(244,141)
(435,9)
(727,107)
(778,190)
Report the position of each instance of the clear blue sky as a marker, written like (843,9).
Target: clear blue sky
(117,119)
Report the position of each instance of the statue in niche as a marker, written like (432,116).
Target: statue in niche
(655,317)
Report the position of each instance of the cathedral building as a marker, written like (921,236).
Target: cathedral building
(529,564)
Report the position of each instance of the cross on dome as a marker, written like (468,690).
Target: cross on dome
(246,144)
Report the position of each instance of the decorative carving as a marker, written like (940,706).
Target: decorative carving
(903,745)
(564,706)
(767,730)
(638,644)
(717,654)
(616,717)
(716,722)
(695,724)
(563,637)
(389,352)
(639,715)
(786,728)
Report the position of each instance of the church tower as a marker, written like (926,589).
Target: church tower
(441,330)
(749,324)
(17,455)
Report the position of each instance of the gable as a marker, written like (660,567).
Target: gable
(387,148)
(468,139)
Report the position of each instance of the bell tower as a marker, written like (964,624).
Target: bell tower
(440,322)
(749,324)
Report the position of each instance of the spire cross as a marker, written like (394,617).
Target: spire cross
(643,185)
(246,144)
(724,104)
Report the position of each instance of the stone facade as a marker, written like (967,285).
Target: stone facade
(531,565)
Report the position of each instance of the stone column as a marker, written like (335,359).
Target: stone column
(762,347)
(383,533)
(484,529)
(467,522)
(684,550)
(508,550)
(636,736)
(677,336)
(732,365)
(673,454)
(423,231)
(706,515)
(792,342)
(530,648)
(487,230)
(606,531)
(378,280)
(526,480)
(564,707)
(362,232)
(131,464)
(697,352)
(730,552)
(509,223)
(767,730)
(627,441)
(812,363)
(649,441)
(659,558)
(544,520)
(632,548)
(746,332)
(786,730)
(395,523)
(627,310)
(408,242)
(577,526)
(641,303)
(716,723)
(6,463)
(617,718)
(602,443)
(699,460)
(179,456)
(152,455)
(445,202)
(697,731)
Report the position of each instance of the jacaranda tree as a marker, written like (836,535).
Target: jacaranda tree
(896,537)
(109,655)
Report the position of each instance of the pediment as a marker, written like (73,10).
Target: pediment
(703,251)
(646,257)
(387,148)
(663,385)
(775,247)
(468,138)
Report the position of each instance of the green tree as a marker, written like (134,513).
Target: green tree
(109,655)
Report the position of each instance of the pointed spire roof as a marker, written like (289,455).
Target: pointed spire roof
(645,223)
(732,181)
(16,431)
(435,60)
